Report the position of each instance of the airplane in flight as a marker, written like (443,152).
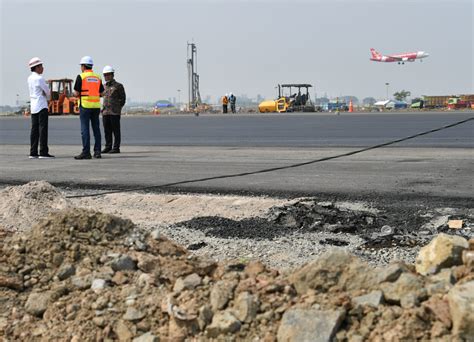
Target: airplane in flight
(400,58)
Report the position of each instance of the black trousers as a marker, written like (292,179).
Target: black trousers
(224,108)
(39,133)
(112,128)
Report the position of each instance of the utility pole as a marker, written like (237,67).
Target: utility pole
(387,84)
(194,97)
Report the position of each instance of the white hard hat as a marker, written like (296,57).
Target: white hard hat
(87,60)
(34,62)
(231,94)
(226,94)
(108,69)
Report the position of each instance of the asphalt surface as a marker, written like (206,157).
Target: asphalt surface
(163,150)
(269,130)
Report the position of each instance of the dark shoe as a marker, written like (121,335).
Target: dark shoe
(46,156)
(83,156)
(114,151)
(33,156)
(106,150)
(97,155)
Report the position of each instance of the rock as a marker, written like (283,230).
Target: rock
(119,278)
(82,282)
(407,285)
(443,251)
(391,272)
(12,282)
(66,271)
(245,307)
(123,263)
(309,325)
(98,285)
(205,316)
(223,323)
(105,273)
(373,299)
(440,309)
(122,331)
(145,280)
(99,321)
(221,293)
(148,263)
(133,314)
(335,268)
(37,303)
(444,276)
(468,258)
(155,235)
(471,244)
(254,268)
(436,223)
(410,300)
(461,306)
(148,337)
(189,282)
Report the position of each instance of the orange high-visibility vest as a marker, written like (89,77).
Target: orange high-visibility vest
(90,89)
(225,100)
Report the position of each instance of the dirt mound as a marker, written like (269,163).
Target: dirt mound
(22,206)
(82,275)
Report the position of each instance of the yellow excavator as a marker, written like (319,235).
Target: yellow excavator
(289,101)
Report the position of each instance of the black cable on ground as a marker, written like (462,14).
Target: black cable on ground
(275,168)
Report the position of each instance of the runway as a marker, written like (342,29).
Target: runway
(161,150)
(267,130)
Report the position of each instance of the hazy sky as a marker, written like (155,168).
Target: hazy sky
(246,47)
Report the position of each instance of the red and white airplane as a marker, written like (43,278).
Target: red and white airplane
(400,58)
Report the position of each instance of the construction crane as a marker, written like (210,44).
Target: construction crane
(193,78)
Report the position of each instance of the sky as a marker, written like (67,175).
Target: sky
(244,47)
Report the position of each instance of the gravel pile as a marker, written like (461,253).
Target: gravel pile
(23,206)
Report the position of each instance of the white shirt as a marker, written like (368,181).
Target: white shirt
(39,92)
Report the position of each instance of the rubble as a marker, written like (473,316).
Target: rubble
(461,307)
(443,251)
(83,275)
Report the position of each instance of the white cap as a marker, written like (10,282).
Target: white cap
(34,62)
(231,94)
(226,94)
(108,69)
(87,60)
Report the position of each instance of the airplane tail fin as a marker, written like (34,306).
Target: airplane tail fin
(375,54)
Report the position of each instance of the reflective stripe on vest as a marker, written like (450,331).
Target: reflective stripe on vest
(90,90)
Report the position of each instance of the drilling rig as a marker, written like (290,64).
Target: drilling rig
(193,79)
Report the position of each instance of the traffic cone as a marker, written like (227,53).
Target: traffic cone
(351,107)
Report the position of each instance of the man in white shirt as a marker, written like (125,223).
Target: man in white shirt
(39,95)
